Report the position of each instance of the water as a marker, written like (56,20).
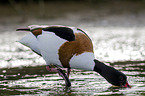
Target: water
(23,72)
(83,83)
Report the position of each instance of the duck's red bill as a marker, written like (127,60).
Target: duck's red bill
(126,85)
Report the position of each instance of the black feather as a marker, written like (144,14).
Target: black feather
(112,75)
(63,32)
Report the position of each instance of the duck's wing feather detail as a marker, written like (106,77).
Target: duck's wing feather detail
(31,41)
(63,32)
(84,33)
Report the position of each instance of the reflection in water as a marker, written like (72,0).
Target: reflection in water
(83,82)
(123,47)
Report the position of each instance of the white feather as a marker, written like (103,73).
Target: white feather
(30,41)
(37,26)
(49,46)
(83,61)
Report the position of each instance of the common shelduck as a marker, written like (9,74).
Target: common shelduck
(71,48)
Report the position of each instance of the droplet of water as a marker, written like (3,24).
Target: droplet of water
(4,71)
(18,74)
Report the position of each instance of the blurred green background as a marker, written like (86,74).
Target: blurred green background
(103,12)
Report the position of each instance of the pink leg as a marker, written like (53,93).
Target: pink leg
(51,69)
(61,73)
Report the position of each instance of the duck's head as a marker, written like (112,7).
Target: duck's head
(112,75)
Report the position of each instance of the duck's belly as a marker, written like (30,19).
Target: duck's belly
(49,45)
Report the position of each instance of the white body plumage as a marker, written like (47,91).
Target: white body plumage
(47,44)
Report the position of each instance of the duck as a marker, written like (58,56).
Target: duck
(71,48)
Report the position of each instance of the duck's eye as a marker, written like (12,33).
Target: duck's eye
(121,78)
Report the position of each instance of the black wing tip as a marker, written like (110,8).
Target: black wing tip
(23,29)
